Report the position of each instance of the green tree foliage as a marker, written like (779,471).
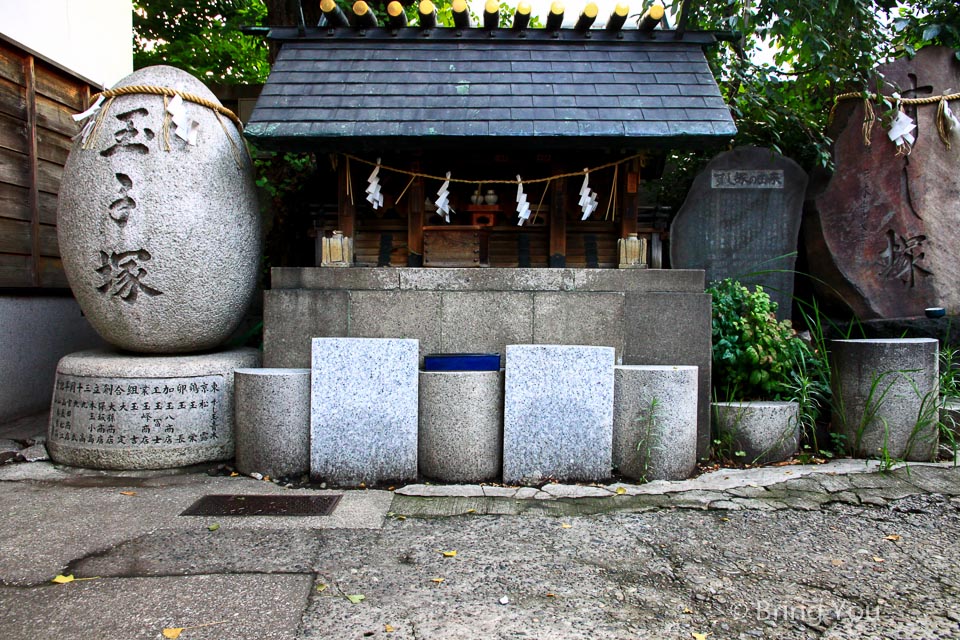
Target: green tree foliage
(786,60)
(201,37)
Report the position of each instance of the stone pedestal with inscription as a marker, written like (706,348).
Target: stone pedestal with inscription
(122,411)
(741,220)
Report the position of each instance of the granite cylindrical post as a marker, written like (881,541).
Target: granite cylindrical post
(461,425)
(655,422)
(885,396)
(761,431)
(272,421)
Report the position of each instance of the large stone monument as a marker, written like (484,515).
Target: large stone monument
(882,234)
(741,220)
(159,230)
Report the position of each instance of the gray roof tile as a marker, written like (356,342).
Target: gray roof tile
(380,89)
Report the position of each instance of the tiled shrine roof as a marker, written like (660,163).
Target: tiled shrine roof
(388,88)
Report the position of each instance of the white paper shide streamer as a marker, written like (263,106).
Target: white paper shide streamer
(87,115)
(186,128)
(588,198)
(443,200)
(374,197)
(523,207)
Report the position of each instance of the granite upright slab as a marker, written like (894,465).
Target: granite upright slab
(558,413)
(363,410)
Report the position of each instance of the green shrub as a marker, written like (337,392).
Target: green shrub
(755,356)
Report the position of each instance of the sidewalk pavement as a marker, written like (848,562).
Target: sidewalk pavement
(839,550)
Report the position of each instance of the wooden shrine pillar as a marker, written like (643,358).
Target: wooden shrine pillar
(558,224)
(347,210)
(415,221)
(631,188)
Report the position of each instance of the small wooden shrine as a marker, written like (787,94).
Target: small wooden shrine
(481,145)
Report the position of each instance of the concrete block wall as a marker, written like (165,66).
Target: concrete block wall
(649,316)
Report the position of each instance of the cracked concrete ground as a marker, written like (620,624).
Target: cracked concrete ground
(840,551)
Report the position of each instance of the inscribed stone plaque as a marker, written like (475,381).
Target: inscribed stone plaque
(364,403)
(882,236)
(122,411)
(741,219)
(137,412)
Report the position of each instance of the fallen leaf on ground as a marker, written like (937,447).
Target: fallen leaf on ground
(401,517)
(837,563)
(878,559)
(620,491)
(566,525)
(266,478)
(449,554)
(699,636)
(128,493)
(471,510)
(687,610)
(551,595)
(174,632)
(61,579)
(355,598)
(892,537)
(388,628)
(321,588)
(234,474)
(213,527)
(437,580)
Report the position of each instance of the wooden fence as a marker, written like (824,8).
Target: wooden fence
(36,103)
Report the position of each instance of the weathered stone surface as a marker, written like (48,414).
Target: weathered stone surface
(558,413)
(397,314)
(673,329)
(485,322)
(882,235)
(160,239)
(35,453)
(272,421)
(363,410)
(885,396)
(765,431)
(122,411)
(575,491)
(291,319)
(742,216)
(655,422)
(356,278)
(645,280)
(461,425)
(580,318)
(496,279)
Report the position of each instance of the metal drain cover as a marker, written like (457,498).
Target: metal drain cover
(262,505)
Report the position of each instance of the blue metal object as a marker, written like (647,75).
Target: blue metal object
(461,362)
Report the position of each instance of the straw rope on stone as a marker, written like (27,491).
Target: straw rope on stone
(166,91)
(869,116)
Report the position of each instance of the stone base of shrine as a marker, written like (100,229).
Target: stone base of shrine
(130,411)
(649,316)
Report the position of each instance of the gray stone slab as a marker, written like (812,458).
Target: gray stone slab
(250,607)
(673,329)
(655,422)
(120,411)
(160,239)
(496,279)
(356,278)
(199,551)
(363,410)
(397,314)
(461,425)
(485,321)
(764,431)
(885,396)
(741,220)
(640,280)
(292,318)
(272,421)
(592,319)
(558,413)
